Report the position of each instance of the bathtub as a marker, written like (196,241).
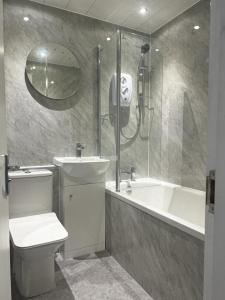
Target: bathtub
(178,206)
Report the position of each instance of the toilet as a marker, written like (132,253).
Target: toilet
(35,231)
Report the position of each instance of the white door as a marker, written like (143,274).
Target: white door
(214,283)
(5,286)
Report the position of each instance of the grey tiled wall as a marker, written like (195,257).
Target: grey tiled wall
(179,93)
(39,130)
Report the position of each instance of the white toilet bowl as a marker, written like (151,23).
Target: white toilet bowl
(35,240)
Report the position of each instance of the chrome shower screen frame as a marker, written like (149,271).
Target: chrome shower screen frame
(118,88)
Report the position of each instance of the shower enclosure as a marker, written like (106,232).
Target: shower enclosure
(154,118)
(125,108)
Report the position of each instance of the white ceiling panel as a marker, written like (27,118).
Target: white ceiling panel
(133,21)
(124,11)
(164,13)
(80,6)
(57,3)
(103,9)
(127,12)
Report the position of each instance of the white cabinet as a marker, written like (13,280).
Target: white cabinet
(82,203)
(84,218)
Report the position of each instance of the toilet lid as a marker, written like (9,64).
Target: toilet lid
(33,231)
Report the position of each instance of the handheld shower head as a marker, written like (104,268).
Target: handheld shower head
(145,48)
(142,66)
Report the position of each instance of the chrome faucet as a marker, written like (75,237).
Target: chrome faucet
(131,173)
(129,187)
(79,148)
(14,168)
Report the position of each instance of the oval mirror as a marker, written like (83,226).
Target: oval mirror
(53,71)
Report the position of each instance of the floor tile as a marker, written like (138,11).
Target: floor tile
(93,277)
(100,277)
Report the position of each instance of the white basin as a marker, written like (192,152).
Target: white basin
(82,167)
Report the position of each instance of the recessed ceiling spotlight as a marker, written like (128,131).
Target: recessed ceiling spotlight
(196,27)
(143,11)
(26,19)
(52,82)
(108,38)
(156,49)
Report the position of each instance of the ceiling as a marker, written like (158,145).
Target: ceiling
(126,12)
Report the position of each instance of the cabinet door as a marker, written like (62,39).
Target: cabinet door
(84,218)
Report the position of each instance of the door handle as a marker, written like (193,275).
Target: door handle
(210,191)
(7,180)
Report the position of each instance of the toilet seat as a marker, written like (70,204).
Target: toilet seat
(36,230)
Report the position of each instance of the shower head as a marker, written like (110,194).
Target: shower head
(145,48)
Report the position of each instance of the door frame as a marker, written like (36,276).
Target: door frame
(5,281)
(214,279)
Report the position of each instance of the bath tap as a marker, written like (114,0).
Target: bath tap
(79,148)
(131,173)
(129,187)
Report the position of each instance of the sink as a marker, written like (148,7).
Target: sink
(82,167)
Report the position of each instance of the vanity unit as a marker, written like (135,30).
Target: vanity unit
(82,203)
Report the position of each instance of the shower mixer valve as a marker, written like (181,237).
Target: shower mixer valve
(79,148)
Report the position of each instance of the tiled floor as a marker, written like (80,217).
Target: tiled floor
(96,277)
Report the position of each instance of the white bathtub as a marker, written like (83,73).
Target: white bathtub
(178,206)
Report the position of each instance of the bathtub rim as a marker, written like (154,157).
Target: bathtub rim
(188,227)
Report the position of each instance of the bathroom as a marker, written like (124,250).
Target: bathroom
(111,135)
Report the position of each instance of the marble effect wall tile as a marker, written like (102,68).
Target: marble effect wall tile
(174,132)
(36,132)
(167,262)
(181,65)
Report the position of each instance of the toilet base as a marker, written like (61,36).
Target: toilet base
(34,273)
